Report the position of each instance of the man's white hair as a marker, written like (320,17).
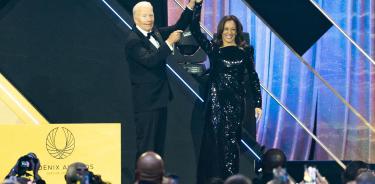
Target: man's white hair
(140,5)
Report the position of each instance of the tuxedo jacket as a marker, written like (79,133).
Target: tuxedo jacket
(147,65)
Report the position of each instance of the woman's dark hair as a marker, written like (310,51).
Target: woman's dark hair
(240,41)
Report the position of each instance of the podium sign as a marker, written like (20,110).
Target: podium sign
(59,145)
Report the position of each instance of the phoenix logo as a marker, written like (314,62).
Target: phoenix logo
(62,151)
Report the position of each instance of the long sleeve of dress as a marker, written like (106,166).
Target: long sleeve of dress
(254,79)
(202,40)
(183,22)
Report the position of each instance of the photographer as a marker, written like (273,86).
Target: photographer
(19,172)
(79,172)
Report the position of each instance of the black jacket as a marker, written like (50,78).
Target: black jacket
(147,65)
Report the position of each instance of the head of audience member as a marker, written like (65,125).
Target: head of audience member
(238,179)
(143,15)
(150,168)
(353,170)
(230,32)
(366,177)
(273,158)
(11,180)
(75,172)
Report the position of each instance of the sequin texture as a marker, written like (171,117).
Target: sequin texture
(232,79)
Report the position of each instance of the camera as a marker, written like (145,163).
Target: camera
(29,162)
(90,178)
(78,173)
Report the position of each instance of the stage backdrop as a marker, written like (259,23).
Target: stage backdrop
(338,61)
(67,59)
(59,145)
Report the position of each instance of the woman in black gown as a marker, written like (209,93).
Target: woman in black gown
(231,61)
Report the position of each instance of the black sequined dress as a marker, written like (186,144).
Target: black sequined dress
(230,67)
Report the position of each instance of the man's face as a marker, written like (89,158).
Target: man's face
(144,18)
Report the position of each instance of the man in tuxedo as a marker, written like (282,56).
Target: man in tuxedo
(147,48)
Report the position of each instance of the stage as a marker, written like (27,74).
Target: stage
(64,62)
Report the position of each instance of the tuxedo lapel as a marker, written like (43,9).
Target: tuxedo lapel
(144,39)
(159,38)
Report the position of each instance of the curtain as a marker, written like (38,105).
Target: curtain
(352,75)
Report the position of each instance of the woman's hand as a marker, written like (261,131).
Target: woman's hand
(258,113)
(191,4)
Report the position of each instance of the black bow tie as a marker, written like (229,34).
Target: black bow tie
(152,33)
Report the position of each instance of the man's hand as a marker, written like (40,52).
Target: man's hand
(174,37)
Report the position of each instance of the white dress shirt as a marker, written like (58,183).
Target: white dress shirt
(153,40)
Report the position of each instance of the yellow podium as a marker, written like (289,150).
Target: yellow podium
(59,145)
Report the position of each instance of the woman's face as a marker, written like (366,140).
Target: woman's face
(229,33)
